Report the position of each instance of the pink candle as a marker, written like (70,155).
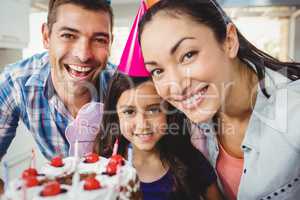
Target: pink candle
(116,145)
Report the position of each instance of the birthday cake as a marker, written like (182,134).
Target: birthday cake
(90,178)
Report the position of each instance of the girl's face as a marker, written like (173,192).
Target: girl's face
(141,116)
(190,68)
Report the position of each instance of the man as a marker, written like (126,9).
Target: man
(47,90)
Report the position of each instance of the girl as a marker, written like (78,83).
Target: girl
(167,164)
(244,101)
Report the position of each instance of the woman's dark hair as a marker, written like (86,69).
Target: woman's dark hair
(209,12)
(192,173)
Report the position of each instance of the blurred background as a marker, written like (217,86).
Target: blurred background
(272,25)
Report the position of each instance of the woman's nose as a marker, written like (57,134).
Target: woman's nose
(176,82)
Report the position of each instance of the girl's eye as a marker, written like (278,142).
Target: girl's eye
(188,57)
(154,110)
(156,73)
(128,112)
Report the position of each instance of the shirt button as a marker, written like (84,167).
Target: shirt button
(245,170)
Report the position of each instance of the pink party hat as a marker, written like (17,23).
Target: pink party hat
(132,61)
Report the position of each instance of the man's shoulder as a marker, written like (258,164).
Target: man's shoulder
(24,69)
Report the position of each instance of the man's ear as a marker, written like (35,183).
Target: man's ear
(232,44)
(46,36)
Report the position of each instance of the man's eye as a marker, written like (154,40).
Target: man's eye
(68,36)
(188,56)
(101,40)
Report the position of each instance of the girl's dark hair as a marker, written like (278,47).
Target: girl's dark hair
(209,12)
(189,167)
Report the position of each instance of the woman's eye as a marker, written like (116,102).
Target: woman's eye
(156,73)
(188,56)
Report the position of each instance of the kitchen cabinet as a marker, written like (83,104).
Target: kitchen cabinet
(14,23)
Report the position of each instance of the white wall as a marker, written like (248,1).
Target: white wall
(9,56)
(297,40)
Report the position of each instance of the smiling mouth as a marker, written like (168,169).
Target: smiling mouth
(194,100)
(78,71)
(144,136)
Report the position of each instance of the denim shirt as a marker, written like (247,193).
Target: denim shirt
(271,145)
(27,94)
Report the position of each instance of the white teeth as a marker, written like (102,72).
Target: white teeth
(80,69)
(142,134)
(195,97)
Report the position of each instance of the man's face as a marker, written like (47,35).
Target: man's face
(79,45)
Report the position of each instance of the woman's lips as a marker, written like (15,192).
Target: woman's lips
(194,99)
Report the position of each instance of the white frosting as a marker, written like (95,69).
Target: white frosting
(97,167)
(110,184)
(51,171)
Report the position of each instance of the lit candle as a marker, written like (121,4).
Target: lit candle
(33,159)
(116,146)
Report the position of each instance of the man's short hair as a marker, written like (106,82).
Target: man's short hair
(93,5)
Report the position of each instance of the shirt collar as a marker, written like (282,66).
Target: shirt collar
(40,75)
(268,112)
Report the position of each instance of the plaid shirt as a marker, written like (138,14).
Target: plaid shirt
(27,93)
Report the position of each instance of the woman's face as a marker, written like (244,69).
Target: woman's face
(190,68)
(141,116)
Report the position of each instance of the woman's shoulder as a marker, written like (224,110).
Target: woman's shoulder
(281,110)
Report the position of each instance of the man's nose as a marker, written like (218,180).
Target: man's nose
(84,50)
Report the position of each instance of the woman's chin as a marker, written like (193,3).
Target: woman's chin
(199,115)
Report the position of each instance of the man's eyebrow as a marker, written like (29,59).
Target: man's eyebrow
(96,34)
(65,28)
(175,47)
(101,34)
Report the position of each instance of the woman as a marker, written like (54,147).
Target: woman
(245,102)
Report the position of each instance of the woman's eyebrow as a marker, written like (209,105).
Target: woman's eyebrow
(175,47)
